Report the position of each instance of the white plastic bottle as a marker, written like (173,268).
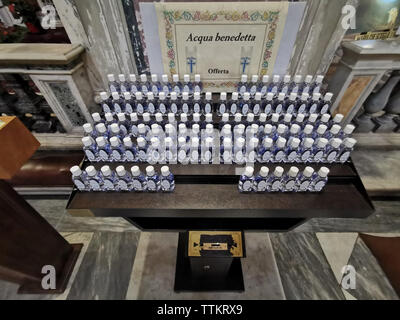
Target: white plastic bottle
(289,180)
(109,179)
(274,181)
(246,181)
(253,85)
(138,180)
(304,180)
(347,149)
(79,178)
(153,182)
(167,180)
(124,179)
(90,149)
(222,105)
(261,180)
(94,180)
(320,180)
(332,150)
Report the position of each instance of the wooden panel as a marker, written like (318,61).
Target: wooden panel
(17,145)
(28,242)
(336,197)
(353,93)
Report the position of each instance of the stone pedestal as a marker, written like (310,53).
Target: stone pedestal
(58,71)
(362,66)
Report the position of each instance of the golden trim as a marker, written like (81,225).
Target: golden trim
(194,248)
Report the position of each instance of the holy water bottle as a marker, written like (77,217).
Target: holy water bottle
(295,87)
(261,180)
(263,87)
(186,105)
(274,181)
(79,178)
(124,85)
(307,84)
(94,179)
(318,150)
(316,86)
(198,85)
(151,104)
(90,148)
(113,85)
(109,179)
(264,154)
(144,84)
(152,180)
(134,84)
(187,85)
(246,181)
(245,104)
(155,85)
(315,103)
(279,150)
(320,180)
(124,179)
(332,150)
(289,180)
(167,180)
(162,104)
(176,85)
(284,88)
(242,85)
(347,149)
(106,102)
(117,149)
(234,104)
(226,151)
(117,103)
(208,103)
(274,85)
(304,180)
(305,151)
(103,149)
(138,180)
(222,104)
(208,151)
(165,85)
(130,150)
(253,85)
(129,104)
(268,104)
(256,105)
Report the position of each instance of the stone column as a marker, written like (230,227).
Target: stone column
(362,66)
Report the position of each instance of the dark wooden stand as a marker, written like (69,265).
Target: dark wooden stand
(28,243)
(207,198)
(206,273)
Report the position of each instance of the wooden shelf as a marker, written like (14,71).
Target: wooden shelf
(207,195)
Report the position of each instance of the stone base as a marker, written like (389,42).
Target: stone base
(386,123)
(364,123)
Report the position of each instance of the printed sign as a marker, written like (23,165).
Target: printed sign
(220,41)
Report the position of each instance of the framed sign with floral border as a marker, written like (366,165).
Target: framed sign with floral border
(243,22)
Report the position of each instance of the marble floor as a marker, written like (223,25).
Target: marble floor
(120,262)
